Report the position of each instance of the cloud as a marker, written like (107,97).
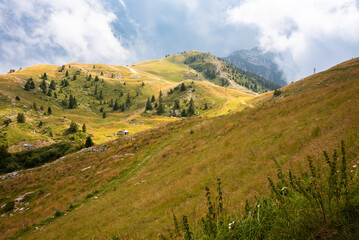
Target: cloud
(47,31)
(307,33)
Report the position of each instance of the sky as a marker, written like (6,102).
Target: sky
(306,34)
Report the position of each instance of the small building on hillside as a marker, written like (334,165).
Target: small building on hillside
(123,132)
(27,146)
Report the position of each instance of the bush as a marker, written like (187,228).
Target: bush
(9,206)
(276,93)
(73,127)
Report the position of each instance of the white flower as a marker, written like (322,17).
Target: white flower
(354,166)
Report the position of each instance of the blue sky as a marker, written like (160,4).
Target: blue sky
(307,33)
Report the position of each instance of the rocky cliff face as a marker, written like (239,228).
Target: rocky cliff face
(256,61)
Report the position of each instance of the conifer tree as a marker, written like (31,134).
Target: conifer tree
(34,106)
(20,118)
(49,111)
(67,73)
(89,78)
(177,104)
(183,87)
(89,142)
(84,128)
(44,77)
(52,85)
(111,103)
(43,86)
(104,114)
(115,106)
(49,93)
(148,105)
(96,79)
(160,95)
(96,90)
(101,95)
(27,87)
(74,77)
(160,108)
(183,113)
(153,99)
(128,100)
(191,109)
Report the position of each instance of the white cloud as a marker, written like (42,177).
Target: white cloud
(47,31)
(308,33)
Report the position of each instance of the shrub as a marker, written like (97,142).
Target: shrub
(276,93)
(73,127)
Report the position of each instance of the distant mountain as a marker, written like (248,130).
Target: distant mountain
(256,61)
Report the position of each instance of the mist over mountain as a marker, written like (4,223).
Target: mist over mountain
(258,62)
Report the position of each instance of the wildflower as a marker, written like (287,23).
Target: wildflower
(354,166)
(258,205)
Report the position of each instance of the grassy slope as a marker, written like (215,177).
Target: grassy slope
(170,166)
(156,74)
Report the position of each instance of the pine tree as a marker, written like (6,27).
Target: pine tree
(101,95)
(205,106)
(17,98)
(52,85)
(34,106)
(31,83)
(27,87)
(101,73)
(44,77)
(142,84)
(160,95)
(153,99)
(72,102)
(84,127)
(183,113)
(55,95)
(101,109)
(183,87)
(160,108)
(111,103)
(49,111)
(43,86)
(89,78)
(191,109)
(177,104)
(96,79)
(67,73)
(89,142)
(95,90)
(104,114)
(148,105)
(21,118)
(49,93)
(128,100)
(115,106)
(74,77)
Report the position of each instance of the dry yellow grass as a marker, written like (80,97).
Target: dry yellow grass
(171,165)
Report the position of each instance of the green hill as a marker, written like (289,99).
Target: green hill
(130,186)
(85,93)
